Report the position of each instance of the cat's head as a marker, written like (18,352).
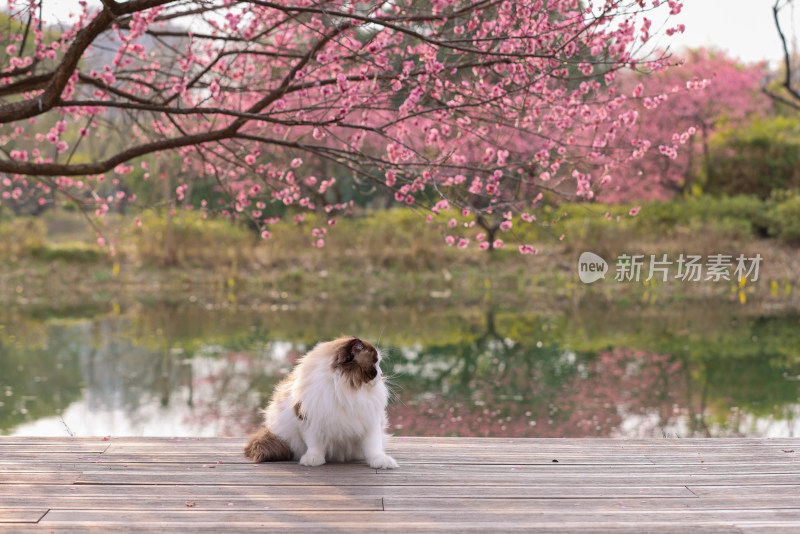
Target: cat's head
(357,361)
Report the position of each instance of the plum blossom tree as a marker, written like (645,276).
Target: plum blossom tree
(477,105)
(707,91)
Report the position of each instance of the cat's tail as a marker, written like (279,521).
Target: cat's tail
(264,446)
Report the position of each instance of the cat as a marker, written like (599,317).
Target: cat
(331,407)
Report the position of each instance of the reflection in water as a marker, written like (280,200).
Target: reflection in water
(171,370)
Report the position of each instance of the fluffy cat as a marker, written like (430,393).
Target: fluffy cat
(331,407)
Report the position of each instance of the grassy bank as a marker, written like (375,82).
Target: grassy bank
(392,257)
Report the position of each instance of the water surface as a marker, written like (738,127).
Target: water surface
(589,369)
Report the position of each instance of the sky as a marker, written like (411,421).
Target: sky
(743,28)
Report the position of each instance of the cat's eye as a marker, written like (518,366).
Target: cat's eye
(359,346)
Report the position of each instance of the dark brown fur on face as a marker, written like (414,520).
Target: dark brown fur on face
(356,360)
(264,446)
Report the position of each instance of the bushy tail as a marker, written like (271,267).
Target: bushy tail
(264,446)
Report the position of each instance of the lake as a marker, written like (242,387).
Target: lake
(587,369)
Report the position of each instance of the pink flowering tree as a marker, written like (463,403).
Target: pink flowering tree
(708,91)
(475,105)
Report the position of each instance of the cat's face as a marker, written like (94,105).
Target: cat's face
(358,362)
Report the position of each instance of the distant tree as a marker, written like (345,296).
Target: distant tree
(708,91)
(443,100)
(788,90)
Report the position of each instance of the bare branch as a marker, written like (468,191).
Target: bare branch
(787,61)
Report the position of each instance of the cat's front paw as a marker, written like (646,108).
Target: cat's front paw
(383,462)
(312,459)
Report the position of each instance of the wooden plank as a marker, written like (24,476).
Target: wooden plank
(590,444)
(406,459)
(336,469)
(44,449)
(60,440)
(407,526)
(500,470)
(277,468)
(392,504)
(583,490)
(707,459)
(432,517)
(257,475)
(44,467)
(746,490)
(756,527)
(10,514)
(413,444)
(178,500)
(401,479)
(35,458)
(541,458)
(122,458)
(34,478)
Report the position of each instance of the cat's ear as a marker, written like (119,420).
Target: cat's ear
(345,354)
(355,347)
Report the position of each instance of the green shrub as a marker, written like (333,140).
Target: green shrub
(69,252)
(19,236)
(785,218)
(189,239)
(756,160)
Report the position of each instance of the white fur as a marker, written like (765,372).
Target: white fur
(340,423)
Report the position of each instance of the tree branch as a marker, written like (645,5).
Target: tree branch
(25,109)
(787,61)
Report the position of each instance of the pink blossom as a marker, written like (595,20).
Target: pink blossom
(514,100)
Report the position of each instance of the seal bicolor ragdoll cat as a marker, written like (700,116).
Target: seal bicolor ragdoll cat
(331,407)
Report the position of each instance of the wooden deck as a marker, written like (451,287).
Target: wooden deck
(443,485)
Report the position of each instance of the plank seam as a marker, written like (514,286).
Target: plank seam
(44,514)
